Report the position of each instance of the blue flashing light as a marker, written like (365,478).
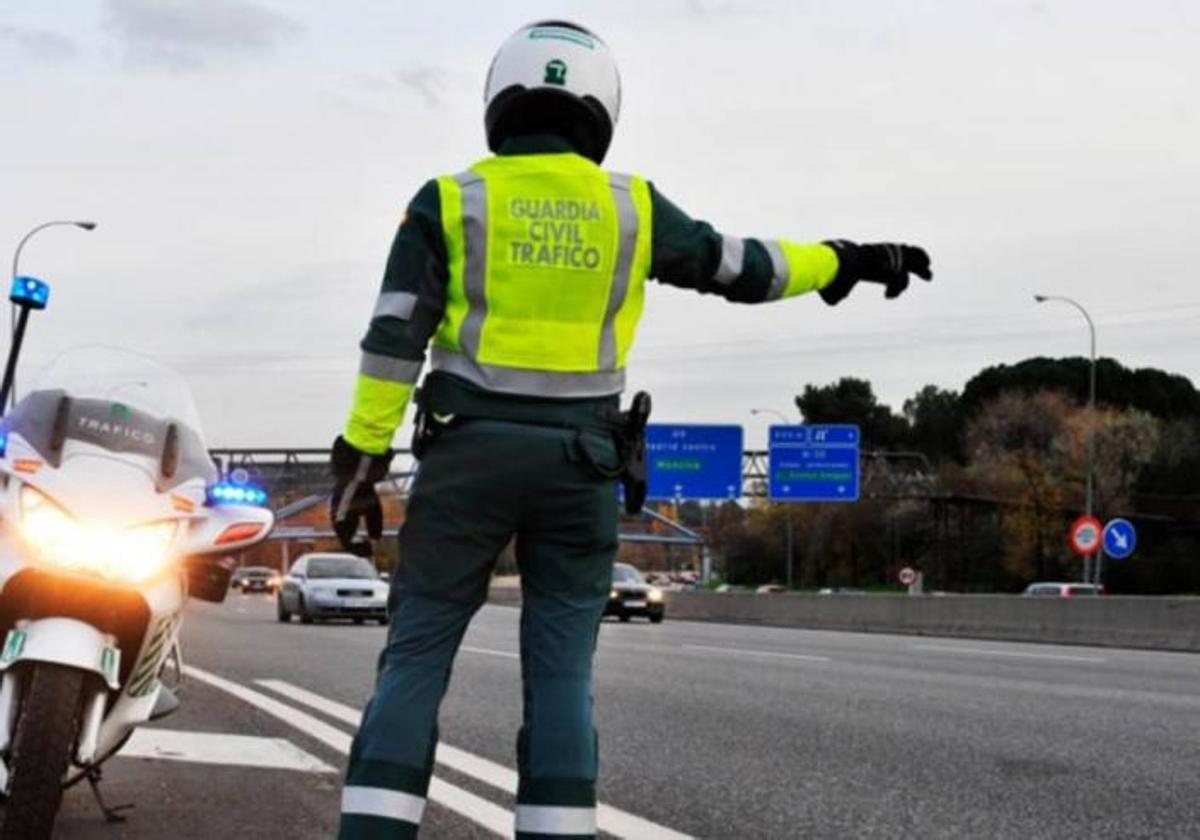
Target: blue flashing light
(227,493)
(30,292)
(3,443)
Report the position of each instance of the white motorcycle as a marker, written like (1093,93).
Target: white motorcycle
(110,517)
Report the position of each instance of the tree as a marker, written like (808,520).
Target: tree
(1019,442)
(936,422)
(1174,468)
(851,400)
(1162,394)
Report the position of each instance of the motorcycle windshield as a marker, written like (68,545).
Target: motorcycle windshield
(123,403)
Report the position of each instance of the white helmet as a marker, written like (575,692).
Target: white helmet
(553,75)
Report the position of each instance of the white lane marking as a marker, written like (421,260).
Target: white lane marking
(610,819)
(219,748)
(490,652)
(475,808)
(479,810)
(1015,653)
(747,652)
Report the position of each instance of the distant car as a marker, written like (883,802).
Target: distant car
(1064,590)
(632,596)
(322,586)
(842,590)
(770,589)
(255,579)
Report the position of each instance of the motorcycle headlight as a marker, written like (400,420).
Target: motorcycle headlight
(130,555)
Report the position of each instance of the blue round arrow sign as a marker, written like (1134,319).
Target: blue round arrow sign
(1120,538)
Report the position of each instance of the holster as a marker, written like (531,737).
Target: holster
(631,443)
(427,426)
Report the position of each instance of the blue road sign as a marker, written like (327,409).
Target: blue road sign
(814,463)
(1120,538)
(694,461)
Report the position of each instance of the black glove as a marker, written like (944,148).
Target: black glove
(888,263)
(355,475)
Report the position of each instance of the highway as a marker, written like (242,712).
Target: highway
(706,730)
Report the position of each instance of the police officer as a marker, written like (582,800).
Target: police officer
(526,273)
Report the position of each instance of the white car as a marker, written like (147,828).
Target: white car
(1064,590)
(332,586)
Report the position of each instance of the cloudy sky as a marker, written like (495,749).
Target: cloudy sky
(248,160)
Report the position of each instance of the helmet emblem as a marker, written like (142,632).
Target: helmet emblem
(556,72)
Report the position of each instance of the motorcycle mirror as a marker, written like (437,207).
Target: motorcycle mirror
(170,453)
(58,432)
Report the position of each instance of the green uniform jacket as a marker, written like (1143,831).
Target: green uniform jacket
(686,253)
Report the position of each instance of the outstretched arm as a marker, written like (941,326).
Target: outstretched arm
(691,254)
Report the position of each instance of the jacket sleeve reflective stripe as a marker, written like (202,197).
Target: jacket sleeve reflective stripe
(413,293)
(733,260)
(389,368)
(690,254)
(379,407)
(779,270)
(395,305)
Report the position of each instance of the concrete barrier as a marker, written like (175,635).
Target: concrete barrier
(1110,621)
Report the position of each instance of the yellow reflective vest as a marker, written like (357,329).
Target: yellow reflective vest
(548,258)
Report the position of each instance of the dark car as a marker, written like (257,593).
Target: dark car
(631,595)
(255,579)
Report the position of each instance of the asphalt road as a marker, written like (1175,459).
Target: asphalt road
(706,730)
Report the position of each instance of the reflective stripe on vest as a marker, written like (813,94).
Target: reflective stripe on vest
(548,257)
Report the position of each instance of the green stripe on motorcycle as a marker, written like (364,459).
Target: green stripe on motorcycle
(14,643)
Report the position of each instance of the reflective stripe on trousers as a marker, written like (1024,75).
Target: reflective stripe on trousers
(380,802)
(550,819)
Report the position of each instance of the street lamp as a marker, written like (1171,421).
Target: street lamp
(16,264)
(779,414)
(17,254)
(788,507)
(1091,452)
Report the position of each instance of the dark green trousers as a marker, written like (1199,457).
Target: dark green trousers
(480,485)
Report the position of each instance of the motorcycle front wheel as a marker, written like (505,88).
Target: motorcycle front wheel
(47,729)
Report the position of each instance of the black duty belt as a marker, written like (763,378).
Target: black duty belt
(438,408)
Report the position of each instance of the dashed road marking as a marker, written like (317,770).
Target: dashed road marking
(475,808)
(970,651)
(802,657)
(219,748)
(609,819)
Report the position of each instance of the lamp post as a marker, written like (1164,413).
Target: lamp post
(16,264)
(782,417)
(787,507)
(1091,445)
